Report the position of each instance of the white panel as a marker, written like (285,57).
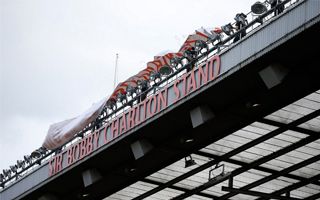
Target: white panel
(312,9)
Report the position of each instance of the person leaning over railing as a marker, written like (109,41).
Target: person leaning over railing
(279,9)
(241,22)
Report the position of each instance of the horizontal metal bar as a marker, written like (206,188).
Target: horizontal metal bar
(259,162)
(280,124)
(202,194)
(275,175)
(255,193)
(200,188)
(295,186)
(260,168)
(230,154)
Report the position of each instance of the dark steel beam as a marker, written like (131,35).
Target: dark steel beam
(232,153)
(275,175)
(202,194)
(258,162)
(255,193)
(177,179)
(295,186)
(259,168)
(218,179)
(280,124)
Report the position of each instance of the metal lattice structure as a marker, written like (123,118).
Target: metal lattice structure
(275,157)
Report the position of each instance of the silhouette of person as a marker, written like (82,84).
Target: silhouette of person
(279,9)
(240,23)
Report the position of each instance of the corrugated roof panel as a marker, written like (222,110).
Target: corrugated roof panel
(248,177)
(313,124)
(259,172)
(268,147)
(216,190)
(278,164)
(288,160)
(239,138)
(308,103)
(248,134)
(278,143)
(299,194)
(132,191)
(196,197)
(283,116)
(233,144)
(297,109)
(260,128)
(276,184)
(217,149)
(315,145)
(311,188)
(246,157)
(243,197)
(165,194)
(308,171)
(315,96)
(306,151)
(291,136)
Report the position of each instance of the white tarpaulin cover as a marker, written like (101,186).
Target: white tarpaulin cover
(61,132)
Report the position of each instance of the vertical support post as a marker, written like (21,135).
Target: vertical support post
(230,184)
(288,194)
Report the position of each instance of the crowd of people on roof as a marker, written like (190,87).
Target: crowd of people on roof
(166,63)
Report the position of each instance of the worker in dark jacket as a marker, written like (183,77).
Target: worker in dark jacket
(279,9)
(241,22)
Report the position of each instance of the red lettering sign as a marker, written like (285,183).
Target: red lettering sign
(131,117)
(106,139)
(176,90)
(55,164)
(203,75)
(152,106)
(214,67)
(114,128)
(69,156)
(96,136)
(123,124)
(185,85)
(162,99)
(89,146)
(191,84)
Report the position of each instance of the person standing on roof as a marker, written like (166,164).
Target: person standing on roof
(279,9)
(241,22)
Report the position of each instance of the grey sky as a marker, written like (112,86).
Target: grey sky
(57,57)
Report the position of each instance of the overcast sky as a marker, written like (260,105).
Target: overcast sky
(57,57)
